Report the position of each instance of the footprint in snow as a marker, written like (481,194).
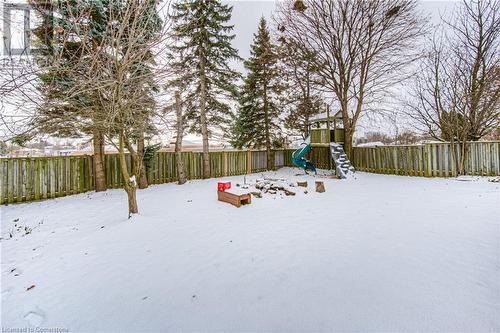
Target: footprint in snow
(35,317)
(6,292)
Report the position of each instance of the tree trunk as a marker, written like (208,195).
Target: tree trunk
(454,156)
(463,148)
(348,127)
(305,128)
(181,174)
(348,136)
(132,201)
(99,169)
(203,119)
(143,180)
(268,132)
(458,153)
(130,181)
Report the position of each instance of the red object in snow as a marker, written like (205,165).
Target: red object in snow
(222,186)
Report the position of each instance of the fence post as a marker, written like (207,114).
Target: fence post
(427,164)
(273,159)
(249,161)
(2,182)
(225,164)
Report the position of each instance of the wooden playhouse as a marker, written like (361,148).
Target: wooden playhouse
(325,129)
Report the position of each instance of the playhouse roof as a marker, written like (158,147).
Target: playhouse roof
(320,117)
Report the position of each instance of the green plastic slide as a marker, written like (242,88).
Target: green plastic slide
(298,158)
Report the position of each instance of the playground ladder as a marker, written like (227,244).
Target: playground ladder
(342,163)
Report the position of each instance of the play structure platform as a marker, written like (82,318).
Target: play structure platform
(343,166)
(332,138)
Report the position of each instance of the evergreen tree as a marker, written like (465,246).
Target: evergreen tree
(200,55)
(63,114)
(258,123)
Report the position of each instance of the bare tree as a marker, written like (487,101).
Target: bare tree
(126,104)
(456,95)
(181,173)
(301,96)
(120,72)
(476,42)
(362,48)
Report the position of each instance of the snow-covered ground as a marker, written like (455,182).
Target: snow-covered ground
(376,253)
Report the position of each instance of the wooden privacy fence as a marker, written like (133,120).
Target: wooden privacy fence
(34,178)
(428,160)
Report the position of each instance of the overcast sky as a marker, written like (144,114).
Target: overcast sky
(246,15)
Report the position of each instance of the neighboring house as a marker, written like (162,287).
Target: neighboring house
(25,152)
(371,144)
(59,150)
(66,152)
(196,147)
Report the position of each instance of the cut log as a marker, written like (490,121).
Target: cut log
(256,194)
(260,185)
(302,183)
(320,186)
(277,186)
(288,192)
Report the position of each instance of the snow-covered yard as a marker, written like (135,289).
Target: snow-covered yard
(376,253)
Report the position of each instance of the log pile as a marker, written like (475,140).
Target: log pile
(278,186)
(273,186)
(269,185)
(494,179)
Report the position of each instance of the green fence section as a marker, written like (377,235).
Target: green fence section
(35,178)
(428,160)
(27,179)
